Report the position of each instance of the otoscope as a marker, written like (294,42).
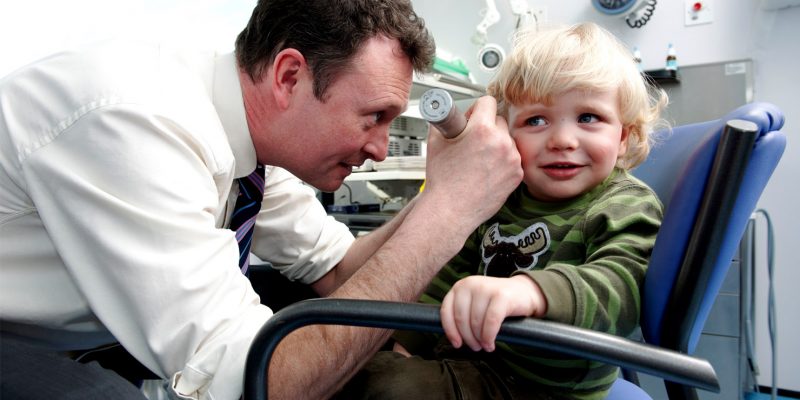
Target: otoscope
(438,108)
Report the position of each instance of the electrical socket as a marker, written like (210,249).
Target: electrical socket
(518,6)
(540,13)
(705,15)
(529,13)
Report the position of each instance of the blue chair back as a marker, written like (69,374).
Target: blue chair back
(703,221)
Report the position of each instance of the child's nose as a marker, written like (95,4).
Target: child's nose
(562,137)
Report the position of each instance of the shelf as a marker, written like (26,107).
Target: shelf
(662,76)
(459,89)
(396,175)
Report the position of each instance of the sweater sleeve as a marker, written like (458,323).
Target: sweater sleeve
(603,292)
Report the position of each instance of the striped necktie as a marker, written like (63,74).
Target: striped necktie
(243,219)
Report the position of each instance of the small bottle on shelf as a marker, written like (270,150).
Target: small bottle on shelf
(672,58)
(637,58)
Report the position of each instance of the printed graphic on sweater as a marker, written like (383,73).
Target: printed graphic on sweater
(503,255)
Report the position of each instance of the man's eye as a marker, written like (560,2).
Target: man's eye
(378,116)
(535,121)
(588,118)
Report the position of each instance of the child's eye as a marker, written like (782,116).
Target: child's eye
(588,118)
(536,121)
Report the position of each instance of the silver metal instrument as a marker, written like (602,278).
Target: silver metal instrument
(438,108)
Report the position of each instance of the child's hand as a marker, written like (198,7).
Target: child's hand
(398,348)
(476,306)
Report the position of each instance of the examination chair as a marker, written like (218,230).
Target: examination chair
(709,177)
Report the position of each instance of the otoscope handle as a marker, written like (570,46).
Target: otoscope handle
(438,108)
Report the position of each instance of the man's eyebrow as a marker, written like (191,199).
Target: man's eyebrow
(390,106)
(397,108)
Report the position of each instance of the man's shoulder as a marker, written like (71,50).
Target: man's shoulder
(108,72)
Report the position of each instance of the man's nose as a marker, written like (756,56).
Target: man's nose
(377,148)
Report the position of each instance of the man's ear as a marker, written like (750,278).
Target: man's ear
(287,70)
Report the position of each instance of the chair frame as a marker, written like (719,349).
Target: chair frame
(704,244)
(531,332)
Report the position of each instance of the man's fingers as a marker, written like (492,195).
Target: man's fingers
(484,109)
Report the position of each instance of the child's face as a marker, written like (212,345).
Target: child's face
(568,147)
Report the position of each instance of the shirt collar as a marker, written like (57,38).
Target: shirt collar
(228,101)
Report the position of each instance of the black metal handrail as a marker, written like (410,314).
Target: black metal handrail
(552,336)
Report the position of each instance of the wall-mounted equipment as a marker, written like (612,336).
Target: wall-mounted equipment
(698,12)
(490,55)
(636,12)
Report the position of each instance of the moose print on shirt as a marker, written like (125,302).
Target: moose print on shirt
(503,255)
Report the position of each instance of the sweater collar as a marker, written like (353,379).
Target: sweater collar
(527,201)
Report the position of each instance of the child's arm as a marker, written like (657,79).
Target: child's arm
(602,293)
(476,306)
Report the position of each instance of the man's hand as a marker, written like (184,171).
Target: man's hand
(477,170)
(476,306)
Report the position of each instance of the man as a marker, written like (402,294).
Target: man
(119,168)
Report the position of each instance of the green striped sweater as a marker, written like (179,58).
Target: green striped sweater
(589,255)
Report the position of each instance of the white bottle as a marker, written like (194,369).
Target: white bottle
(672,58)
(637,58)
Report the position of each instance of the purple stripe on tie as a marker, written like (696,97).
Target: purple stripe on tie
(246,265)
(243,217)
(245,228)
(257,180)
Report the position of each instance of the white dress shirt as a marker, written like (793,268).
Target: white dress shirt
(116,171)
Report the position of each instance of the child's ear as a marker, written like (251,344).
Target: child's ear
(623,142)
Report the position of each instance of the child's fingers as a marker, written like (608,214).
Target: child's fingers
(462,315)
(493,319)
(477,314)
(448,321)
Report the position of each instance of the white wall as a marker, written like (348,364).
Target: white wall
(35,28)
(777,54)
(32,29)
(741,29)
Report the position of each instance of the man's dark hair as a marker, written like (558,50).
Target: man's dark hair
(329,33)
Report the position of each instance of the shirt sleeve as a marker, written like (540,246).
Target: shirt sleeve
(603,293)
(293,231)
(129,198)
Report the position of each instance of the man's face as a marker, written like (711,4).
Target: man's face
(351,125)
(570,146)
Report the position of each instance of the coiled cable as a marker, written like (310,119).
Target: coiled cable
(642,16)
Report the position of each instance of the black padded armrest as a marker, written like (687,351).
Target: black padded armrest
(530,332)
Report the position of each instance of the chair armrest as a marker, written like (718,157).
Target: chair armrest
(571,340)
